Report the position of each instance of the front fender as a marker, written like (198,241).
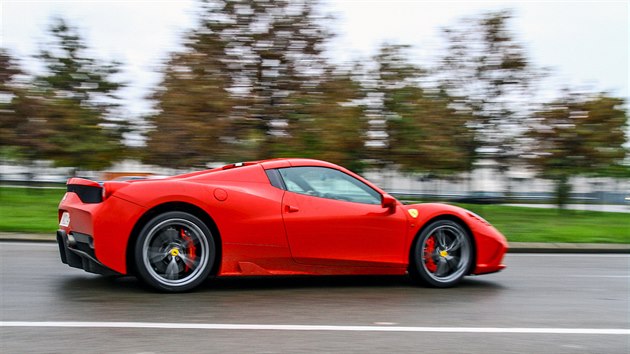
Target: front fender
(490,244)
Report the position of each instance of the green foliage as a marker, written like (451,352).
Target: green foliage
(87,145)
(194,107)
(63,115)
(76,95)
(325,123)
(488,69)
(426,133)
(11,105)
(224,97)
(71,73)
(252,82)
(578,135)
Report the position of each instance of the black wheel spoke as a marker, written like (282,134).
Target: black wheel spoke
(441,237)
(452,262)
(455,244)
(442,267)
(155,255)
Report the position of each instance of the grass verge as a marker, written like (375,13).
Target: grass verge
(35,210)
(29,209)
(522,224)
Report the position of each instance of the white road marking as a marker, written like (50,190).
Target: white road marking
(598,276)
(289,327)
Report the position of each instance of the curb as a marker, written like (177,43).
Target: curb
(24,237)
(514,247)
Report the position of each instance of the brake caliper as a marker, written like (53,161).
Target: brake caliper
(191,251)
(428,254)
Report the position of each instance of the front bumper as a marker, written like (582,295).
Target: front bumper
(77,250)
(491,248)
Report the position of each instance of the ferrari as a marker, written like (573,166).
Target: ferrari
(267,218)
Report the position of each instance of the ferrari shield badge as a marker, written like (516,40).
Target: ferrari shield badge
(413,213)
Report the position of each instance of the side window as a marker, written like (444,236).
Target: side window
(328,183)
(275,179)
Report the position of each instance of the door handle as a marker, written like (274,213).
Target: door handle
(291,209)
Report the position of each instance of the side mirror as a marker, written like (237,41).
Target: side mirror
(389,202)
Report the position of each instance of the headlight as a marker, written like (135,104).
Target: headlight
(475,216)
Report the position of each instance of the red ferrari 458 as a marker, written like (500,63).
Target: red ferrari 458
(273,217)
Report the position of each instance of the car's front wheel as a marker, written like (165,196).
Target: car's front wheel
(442,254)
(174,252)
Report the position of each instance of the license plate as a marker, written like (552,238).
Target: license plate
(65,219)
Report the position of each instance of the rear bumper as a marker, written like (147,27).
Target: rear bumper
(77,250)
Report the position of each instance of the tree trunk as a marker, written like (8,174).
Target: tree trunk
(563,188)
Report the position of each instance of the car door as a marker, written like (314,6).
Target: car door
(334,219)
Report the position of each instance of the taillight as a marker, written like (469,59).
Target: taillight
(88,191)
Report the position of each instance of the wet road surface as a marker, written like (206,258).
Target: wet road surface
(542,303)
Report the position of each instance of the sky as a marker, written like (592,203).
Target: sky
(584,43)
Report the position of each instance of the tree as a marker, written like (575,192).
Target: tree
(485,65)
(326,123)
(578,135)
(194,106)
(426,132)
(24,133)
(10,117)
(274,48)
(228,95)
(77,94)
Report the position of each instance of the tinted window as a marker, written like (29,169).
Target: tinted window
(275,179)
(328,183)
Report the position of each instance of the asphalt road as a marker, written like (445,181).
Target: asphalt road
(542,303)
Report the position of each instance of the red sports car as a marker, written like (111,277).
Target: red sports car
(273,217)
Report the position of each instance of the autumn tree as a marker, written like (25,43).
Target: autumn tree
(575,135)
(326,122)
(24,134)
(487,66)
(426,132)
(274,48)
(194,106)
(230,92)
(10,116)
(78,96)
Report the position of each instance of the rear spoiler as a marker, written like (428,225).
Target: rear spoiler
(88,191)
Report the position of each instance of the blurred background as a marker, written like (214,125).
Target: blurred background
(472,102)
(516,110)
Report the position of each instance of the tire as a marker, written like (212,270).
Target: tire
(442,254)
(174,252)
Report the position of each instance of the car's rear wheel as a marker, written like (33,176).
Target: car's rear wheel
(442,254)
(174,252)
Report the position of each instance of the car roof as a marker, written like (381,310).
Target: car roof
(295,162)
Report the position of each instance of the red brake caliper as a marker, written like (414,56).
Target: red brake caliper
(190,251)
(428,254)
